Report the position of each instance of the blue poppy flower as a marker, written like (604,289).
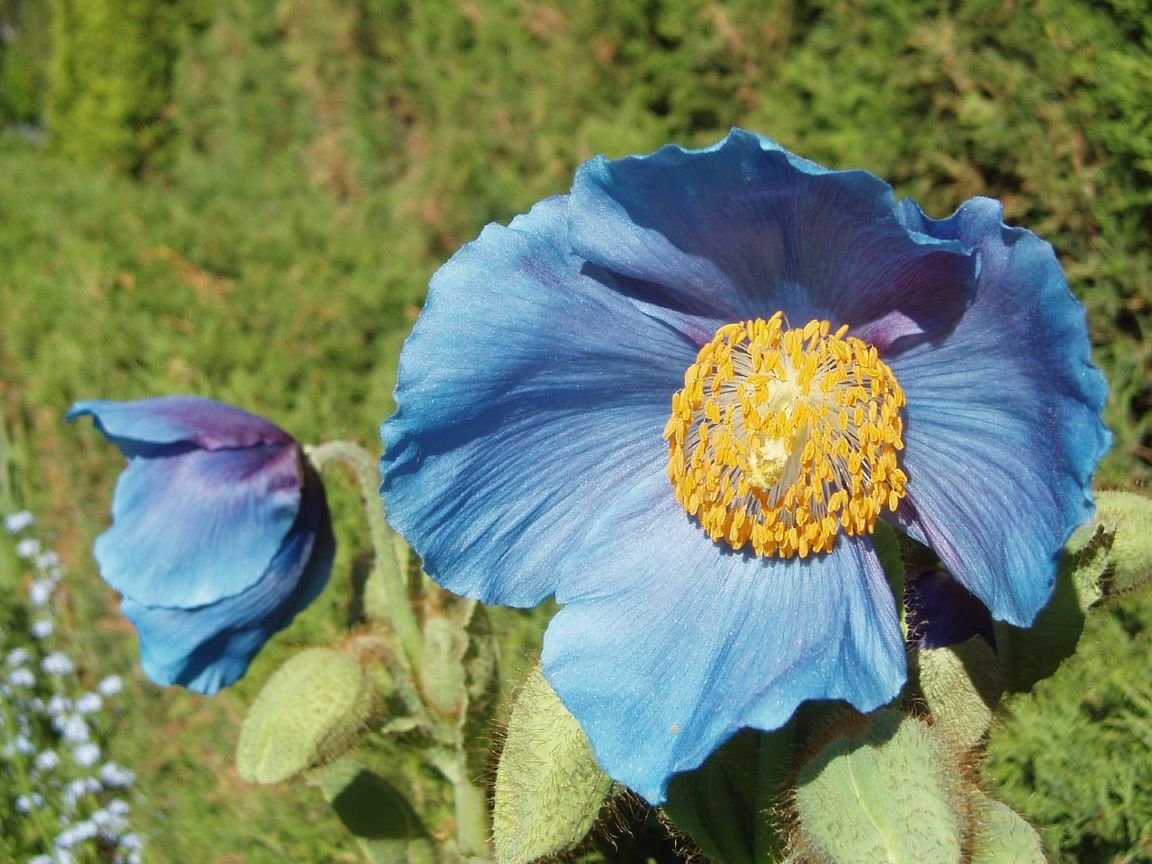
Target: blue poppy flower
(678,399)
(220,534)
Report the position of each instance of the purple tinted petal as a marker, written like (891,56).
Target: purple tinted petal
(744,229)
(942,612)
(137,427)
(211,646)
(191,529)
(1003,423)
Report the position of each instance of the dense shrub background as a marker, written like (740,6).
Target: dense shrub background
(417,122)
(245,198)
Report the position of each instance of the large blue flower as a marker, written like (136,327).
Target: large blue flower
(220,534)
(678,399)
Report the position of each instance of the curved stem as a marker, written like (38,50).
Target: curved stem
(386,570)
(472,829)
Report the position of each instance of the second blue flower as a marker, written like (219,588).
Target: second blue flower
(220,534)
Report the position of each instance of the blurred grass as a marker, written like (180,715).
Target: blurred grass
(298,168)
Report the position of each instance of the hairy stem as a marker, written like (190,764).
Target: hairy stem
(387,573)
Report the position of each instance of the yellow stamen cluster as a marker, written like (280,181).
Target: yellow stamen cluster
(785,437)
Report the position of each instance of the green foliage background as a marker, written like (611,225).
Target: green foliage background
(245,199)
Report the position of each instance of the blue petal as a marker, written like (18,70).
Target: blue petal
(210,647)
(529,395)
(143,426)
(670,643)
(1003,430)
(744,228)
(195,527)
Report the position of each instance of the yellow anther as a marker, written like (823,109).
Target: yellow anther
(784,438)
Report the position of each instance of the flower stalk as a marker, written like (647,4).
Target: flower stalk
(386,571)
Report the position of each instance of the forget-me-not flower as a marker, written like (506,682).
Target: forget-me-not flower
(220,534)
(680,397)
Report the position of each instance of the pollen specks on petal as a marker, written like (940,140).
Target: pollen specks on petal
(782,438)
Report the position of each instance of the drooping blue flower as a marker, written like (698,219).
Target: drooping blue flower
(678,399)
(220,534)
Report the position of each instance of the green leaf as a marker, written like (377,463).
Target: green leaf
(310,712)
(549,787)
(481,664)
(887,545)
(384,823)
(884,793)
(1002,836)
(1030,654)
(962,685)
(726,804)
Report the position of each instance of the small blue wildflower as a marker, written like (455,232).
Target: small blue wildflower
(220,534)
(110,685)
(48,560)
(28,803)
(76,834)
(46,760)
(117,807)
(58,705)
(28,548)
(72,728)
(89,703)
(18,657)
(40,592)
(21,677)
(18,521)
(680,397)
(116,776)
(132,842)
(42,628)
(108,820)
(56,663)
(74,792)
(86,755)
(23,745)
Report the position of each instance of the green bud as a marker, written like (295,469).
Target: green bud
(549,788)
(310,712)
(460,674)
(884,794)
(1127,520)
(962,685)
(1002,836)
